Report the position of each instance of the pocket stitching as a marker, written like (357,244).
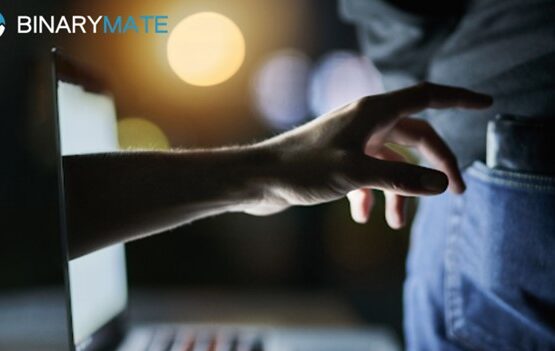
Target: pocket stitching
(457,325)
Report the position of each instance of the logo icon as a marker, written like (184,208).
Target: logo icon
(2,25)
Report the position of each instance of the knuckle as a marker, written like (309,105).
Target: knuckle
(424,86)
(424,124)
(427,85)
(427,129)
(424,136)
(362,103)
(426,91)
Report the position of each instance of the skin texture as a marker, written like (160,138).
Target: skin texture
(117,197)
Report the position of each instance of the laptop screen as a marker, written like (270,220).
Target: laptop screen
(97,281)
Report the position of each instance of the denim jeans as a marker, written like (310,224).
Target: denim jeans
(481,268)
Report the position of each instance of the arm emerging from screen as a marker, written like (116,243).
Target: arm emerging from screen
(117,197)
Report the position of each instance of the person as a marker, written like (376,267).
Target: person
(481,266)
(117,197)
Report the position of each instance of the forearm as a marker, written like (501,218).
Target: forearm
(117,197)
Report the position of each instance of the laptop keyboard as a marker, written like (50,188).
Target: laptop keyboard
(190,339)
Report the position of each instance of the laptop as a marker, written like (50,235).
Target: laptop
(96,283)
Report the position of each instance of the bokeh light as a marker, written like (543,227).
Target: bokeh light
(341,77)
(139,133)
(280,88)
(205,49)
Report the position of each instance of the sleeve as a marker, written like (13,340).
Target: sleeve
(399,42)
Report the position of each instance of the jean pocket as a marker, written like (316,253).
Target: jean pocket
(500,262)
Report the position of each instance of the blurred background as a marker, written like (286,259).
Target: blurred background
(290,61)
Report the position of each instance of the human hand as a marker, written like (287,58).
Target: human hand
(344,153)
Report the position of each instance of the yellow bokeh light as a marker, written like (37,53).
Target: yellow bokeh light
(139,133)
(206,49)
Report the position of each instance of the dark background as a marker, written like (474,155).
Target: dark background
(302,249)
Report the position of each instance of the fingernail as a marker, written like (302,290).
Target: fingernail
(433,181)
(398,223)
(359,218)
(358,215)
(463,186)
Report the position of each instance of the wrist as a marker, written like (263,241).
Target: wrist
(264,175)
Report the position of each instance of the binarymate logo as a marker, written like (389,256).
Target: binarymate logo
(2,25)
(155,24)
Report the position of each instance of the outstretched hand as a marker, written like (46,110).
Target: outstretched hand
(121,196)
(345,153)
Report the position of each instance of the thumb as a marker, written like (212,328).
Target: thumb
(404,178)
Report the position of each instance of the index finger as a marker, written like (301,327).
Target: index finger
(417,98)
